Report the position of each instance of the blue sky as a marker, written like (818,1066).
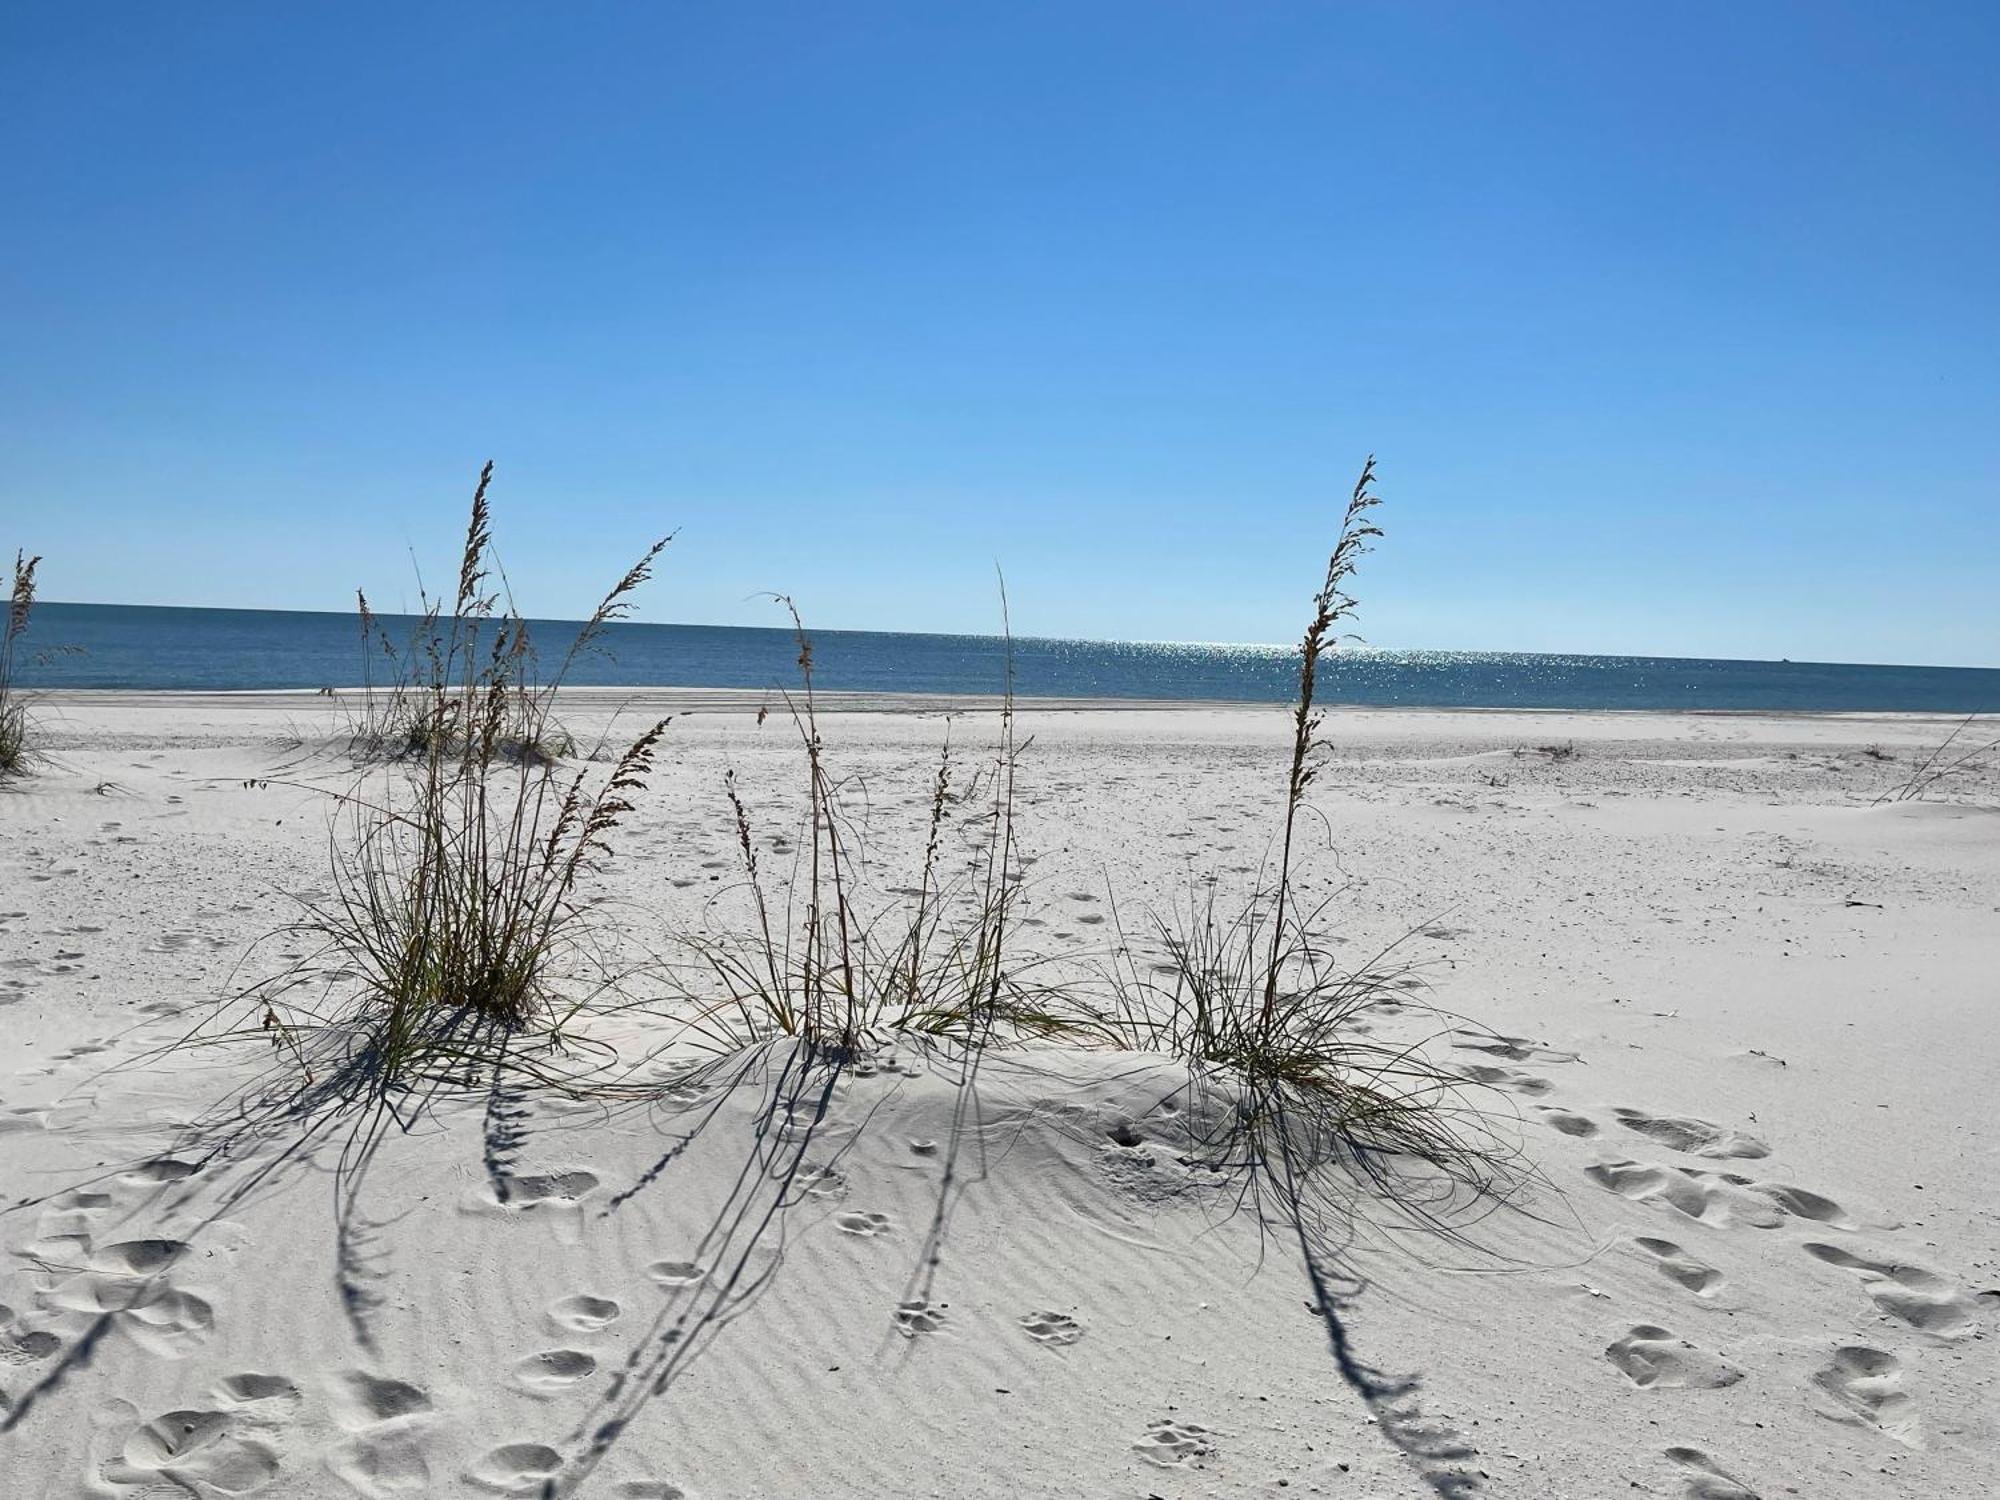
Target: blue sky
(1676,328)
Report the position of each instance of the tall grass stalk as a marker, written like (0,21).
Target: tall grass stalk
(1331,605)
(1252,999)
(14,712)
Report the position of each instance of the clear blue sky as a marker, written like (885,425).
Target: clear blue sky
(1676,327)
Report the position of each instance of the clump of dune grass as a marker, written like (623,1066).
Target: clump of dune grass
(1252,999)
(457,939)
(13,711)
(831,958)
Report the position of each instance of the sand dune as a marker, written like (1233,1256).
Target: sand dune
(1738,1018)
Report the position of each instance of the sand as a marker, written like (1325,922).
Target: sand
(1740,1019)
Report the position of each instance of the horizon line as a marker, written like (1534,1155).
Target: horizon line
(1355,647)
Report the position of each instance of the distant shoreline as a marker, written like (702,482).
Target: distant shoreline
(128,649)
(681,699)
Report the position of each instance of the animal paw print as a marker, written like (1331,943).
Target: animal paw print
(918,1316)
(1173,1444)
(1051,1327)
(867,1226)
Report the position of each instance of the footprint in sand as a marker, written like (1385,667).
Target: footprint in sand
(1869,1383)
(1567,1121)
(865,1225)
(1923,1299)
(822,1181)
(169,1324)
(385,1458)
(388,1464)
(1721,1198)
(1051,1327)
(1694,1137)
(918,1316)
(1802,1204)
(554,1370)
(1174,1444)
(1675,1263)
(1511,1079)
(27,1346)
(361,1400)
(251,1389)
(137,1257)
(1654,1359)
(71,1217)
(198,1450)
(676,1273)
(1708,1480)
(516,1469)
(584,1314)
(164,1170)
(1686,1193)
(555,1187)
(23,1346)
(1513,1048)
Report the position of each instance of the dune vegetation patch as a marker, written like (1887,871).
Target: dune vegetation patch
(460,945)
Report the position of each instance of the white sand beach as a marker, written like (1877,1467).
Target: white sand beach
(1740,1019)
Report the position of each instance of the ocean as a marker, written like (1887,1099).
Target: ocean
(166,649)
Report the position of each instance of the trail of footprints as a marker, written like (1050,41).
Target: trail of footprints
(232,1444)
(89,1284)
(1863,1384)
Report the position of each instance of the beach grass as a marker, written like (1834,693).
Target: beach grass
(833,959)
(1252,1000)
(457,943)
(14,725)
(454,936)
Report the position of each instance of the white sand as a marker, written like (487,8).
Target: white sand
(1755,1055)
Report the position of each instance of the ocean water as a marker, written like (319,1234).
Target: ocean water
(138,646)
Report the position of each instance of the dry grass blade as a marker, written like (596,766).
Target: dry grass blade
(1960,753)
